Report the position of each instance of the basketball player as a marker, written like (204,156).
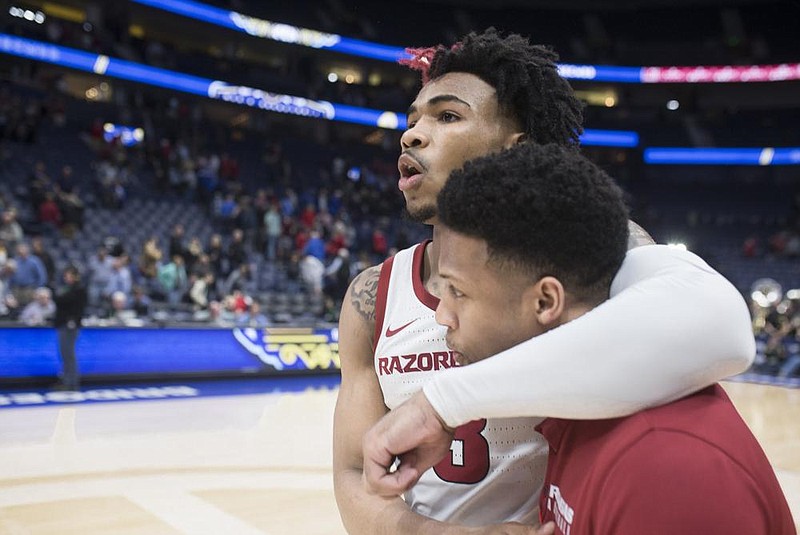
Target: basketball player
(691,466)
(486,94)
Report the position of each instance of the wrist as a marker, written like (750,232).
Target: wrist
(430,412)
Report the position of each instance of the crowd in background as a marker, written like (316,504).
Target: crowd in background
(316,237)
(273,208)
(777,330)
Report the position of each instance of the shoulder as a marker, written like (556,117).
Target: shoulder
(357,322)
(651,452)
(682,470)
(363,292)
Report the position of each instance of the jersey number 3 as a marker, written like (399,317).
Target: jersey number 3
(468,461)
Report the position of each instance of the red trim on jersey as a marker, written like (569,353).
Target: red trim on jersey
(417,273)
(380,299)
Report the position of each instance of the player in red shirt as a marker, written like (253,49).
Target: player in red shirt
(691,466)
(520,265)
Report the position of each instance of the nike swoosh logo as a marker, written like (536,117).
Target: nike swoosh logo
(391,332)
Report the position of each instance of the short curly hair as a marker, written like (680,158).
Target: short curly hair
(525,76)
(542,210)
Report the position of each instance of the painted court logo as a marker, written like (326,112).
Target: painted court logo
(563,514)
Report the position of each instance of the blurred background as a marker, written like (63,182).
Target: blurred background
(223,169)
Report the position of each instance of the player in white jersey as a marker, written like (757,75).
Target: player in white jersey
(481,96)
(495,467)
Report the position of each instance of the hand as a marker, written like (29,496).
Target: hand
(414,433)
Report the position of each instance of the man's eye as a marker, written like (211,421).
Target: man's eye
(448,117)
(455,292)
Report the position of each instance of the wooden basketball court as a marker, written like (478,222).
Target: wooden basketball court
(242,464)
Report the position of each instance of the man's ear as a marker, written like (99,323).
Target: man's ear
(548,300)
(515,139)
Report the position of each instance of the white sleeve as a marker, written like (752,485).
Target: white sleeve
(672,326)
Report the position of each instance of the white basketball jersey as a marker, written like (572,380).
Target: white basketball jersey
(496,467)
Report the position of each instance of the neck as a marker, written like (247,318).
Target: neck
(574,311)
(431,268)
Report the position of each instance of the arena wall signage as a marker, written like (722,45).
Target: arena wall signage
(30,352)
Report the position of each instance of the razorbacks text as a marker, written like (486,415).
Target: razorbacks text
(416,362)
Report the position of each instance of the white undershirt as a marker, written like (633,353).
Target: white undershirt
(672,326)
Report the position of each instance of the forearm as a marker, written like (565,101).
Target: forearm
(674,326)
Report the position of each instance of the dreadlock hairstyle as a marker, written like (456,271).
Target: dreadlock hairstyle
(525,76)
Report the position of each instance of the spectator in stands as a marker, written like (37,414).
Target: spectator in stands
(289,203)
(363,261)
(308,216)
(120,279)
(101,267)
(233,306)
(253,317)
(293,267)
(217,315)
(121,313)
(237,251)
(176,245)
(149,258)
(106,177)
(338,239)
(193,252)
(226,212)
(8,303)
(315,246)
(114,246)
(245,218)
(72,209)
(312,271)
(791,340)
(242,279)
(38,184)
(273,226)
(66,181)
(202,267)
(70,302)
(380,246)
(300,234)
(10,230)
(173,280)
(202,290)
(216,255)
(207,178)
(39,311)
(140,303)
(38,249)
(30,274)
(188,179)
(337,279)
(49,214)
